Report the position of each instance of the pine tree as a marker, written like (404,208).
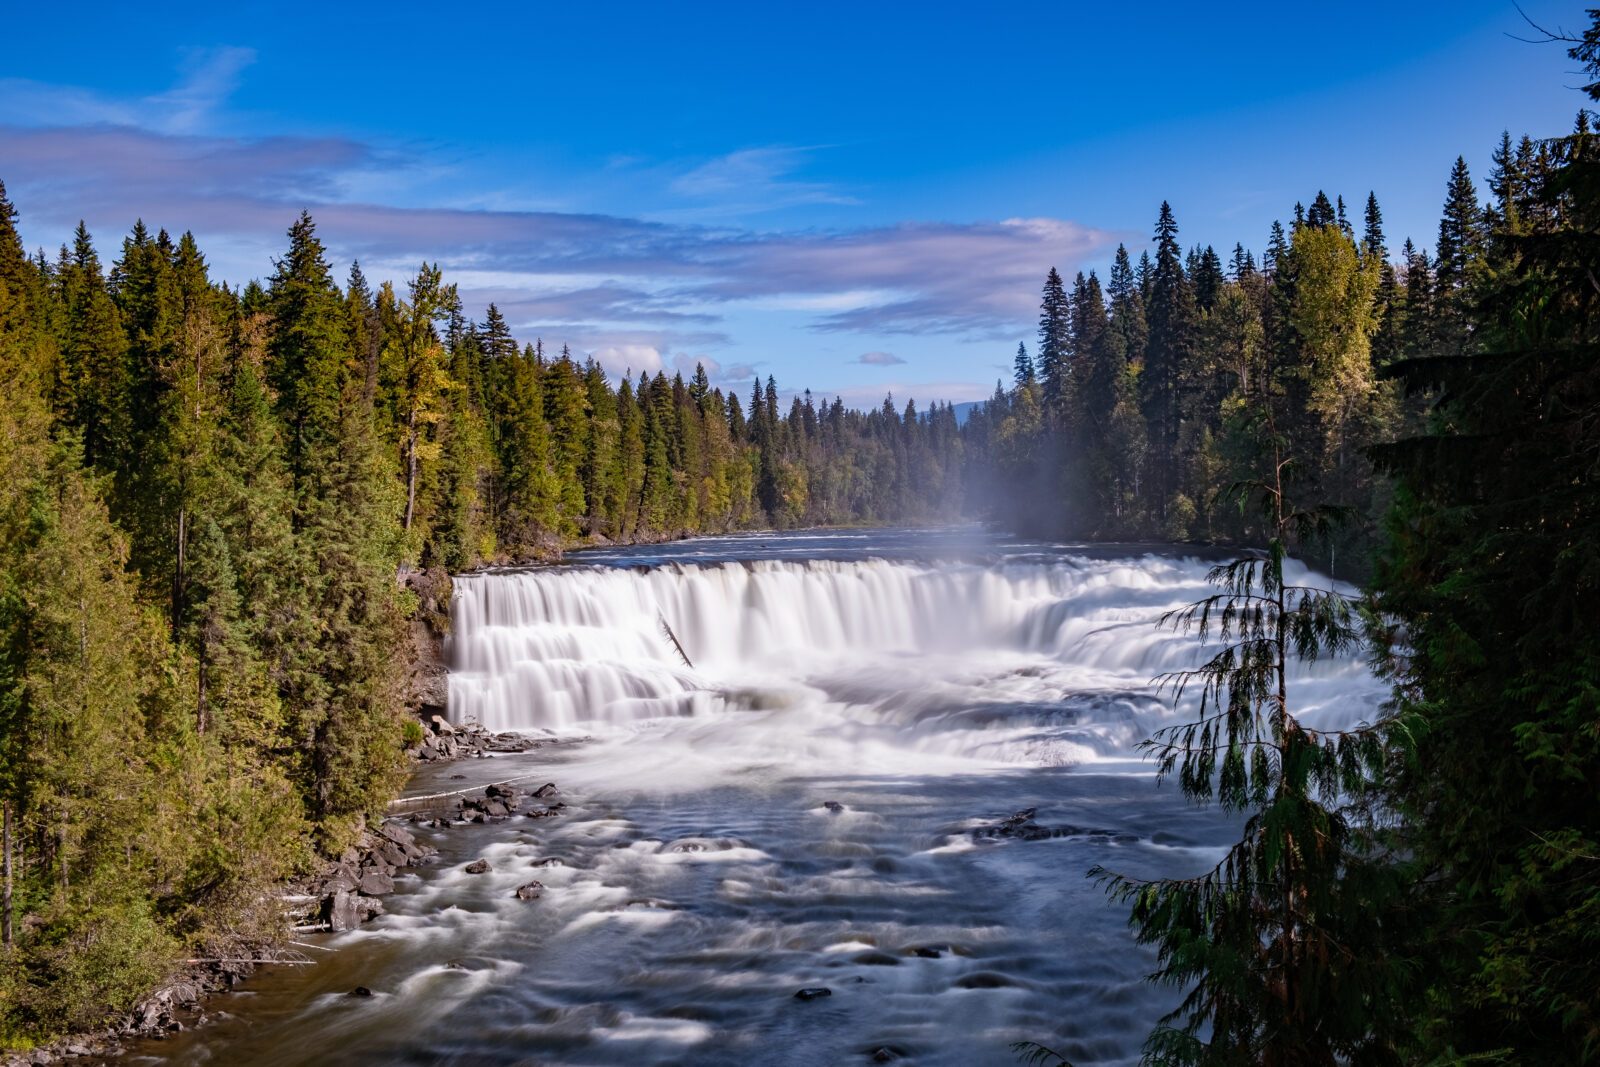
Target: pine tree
(307,349)
(1490,578)
(1023,371)
(1457,261)
(1055,340)
(1281,946)
(94,353)
(1173,317)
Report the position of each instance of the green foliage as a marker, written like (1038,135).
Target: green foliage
(1281,947)
(1491,574)
(206,499)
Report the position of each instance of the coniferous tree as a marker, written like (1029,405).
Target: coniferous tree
(1490,581)
(1054,359)
(1173,318)
(1457,261)
(1022,366)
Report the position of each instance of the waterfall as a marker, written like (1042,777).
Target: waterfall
(583,647)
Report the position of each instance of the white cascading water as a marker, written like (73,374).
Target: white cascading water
(813,804)
(591,648)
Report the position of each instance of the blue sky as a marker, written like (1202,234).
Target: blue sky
(856,198)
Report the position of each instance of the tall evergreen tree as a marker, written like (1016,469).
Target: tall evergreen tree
(1457,261)
(1173,316)
(1022,366)
(1055,341)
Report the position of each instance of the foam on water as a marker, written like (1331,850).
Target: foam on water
(889,665)
(804,807)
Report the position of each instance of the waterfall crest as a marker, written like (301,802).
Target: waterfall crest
(564,647)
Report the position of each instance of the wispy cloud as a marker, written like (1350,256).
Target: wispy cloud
(635,292)
(757,179)
(210,77)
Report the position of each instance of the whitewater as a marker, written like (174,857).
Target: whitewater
(785,761)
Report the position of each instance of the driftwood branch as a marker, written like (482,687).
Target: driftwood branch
(666,628)
(400,801)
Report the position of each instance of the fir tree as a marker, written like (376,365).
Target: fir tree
(1022,366)
(1457,261)
(1054,361)
(1172,315)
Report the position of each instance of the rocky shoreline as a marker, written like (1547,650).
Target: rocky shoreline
(340,895)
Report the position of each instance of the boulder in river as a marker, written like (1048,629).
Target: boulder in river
(376,882)
(478,867)
(531,891)
(341,910)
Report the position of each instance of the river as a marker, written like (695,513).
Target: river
(796,801)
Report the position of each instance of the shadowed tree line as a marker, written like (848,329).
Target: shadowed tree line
(1424,888)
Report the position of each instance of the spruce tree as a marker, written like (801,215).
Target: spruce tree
(1055,341)
(1490,579)
(1173,317)
(306,352)
(1022,366)
(94,352)
(1281,946)
(1458,259)
(1386,342)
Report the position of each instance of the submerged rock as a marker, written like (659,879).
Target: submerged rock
(360,991)
(813,993)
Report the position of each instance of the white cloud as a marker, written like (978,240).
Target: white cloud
(685,364)
(622,361)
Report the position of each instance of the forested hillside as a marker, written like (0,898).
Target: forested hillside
(1185,373)
(209,499)
(1424,888)
(212,498)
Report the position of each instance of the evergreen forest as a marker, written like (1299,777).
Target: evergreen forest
(212,498)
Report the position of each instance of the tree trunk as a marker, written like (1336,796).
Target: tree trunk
(5,901)
(411,466)
(178,571)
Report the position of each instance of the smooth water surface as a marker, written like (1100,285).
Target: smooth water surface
(926,684)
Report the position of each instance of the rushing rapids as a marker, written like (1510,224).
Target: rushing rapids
(817,793)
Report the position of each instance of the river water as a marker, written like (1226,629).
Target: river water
(796,801)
